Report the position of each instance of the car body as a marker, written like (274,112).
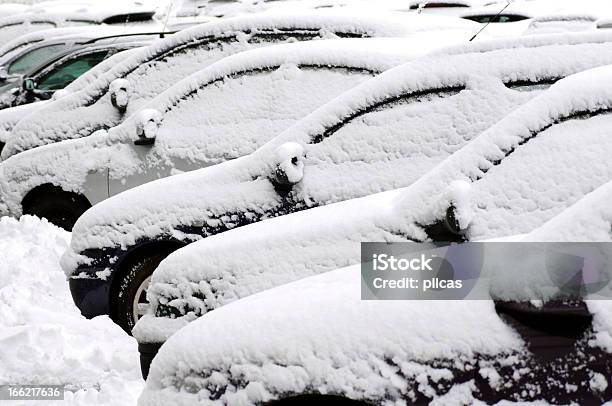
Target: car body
(62,68)
(11,116)
(56,16)
(285,83)
(138,226)
(28,51)
(314,341)
(588,220)
(485,190)
(167,61)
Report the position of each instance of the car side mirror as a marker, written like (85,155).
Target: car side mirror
(29,84)
(289,166)
(148,122)
(3,74)
(457,216)
(120,91)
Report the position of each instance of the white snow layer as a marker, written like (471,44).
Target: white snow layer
(317,333)
(151,71)
(590,219)
(569,159)
(43,338)
(207,120)
(383,150)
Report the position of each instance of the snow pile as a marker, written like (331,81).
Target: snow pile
(388,148)
(316,334)
(43,338)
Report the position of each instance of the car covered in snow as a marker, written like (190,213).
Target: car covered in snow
(314,341)
(56,16)
(381,135)
(485,190)
(11,116)
(135,81)
(191,125)
(25,53)
(38,75)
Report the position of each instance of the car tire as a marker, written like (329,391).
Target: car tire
(130,288)
(58,207)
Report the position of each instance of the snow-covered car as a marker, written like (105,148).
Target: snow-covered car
(588,220)
(191,125)
(10,117)
(381,135)
(314,341)
(132,12)
(62,66)
(485,190)
(28,51)
(153,70)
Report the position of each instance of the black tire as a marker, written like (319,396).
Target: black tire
(58,206)
(127,286)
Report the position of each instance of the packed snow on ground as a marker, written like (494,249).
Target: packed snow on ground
(43,337)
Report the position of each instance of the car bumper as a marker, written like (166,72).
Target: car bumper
(147,351)
(91,296)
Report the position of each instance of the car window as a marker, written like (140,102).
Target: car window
(543,176)
(153,77)
(494,18)
(64,74)
(232,117)
(32,59)
(393,144)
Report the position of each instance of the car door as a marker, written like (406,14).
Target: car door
(229,117)
(527,187)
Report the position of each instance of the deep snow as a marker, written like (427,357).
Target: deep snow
(43,337)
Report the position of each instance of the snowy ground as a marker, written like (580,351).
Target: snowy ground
(43,337)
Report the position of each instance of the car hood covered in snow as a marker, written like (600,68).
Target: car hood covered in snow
(259,256)
(56,122)
(197,197)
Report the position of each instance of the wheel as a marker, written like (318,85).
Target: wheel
(129,298)
(58,206)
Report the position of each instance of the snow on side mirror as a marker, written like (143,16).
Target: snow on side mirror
(458,214)
(3,74)
(147,126)
(120,92)
(289,166)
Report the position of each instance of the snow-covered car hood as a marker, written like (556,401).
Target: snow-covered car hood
(259,256)
(109,224)
(57,121)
